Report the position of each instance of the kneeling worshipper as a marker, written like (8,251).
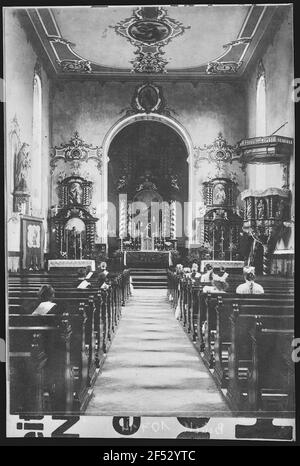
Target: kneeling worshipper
(47,306)
(249,287)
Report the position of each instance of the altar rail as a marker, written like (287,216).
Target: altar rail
(245,340)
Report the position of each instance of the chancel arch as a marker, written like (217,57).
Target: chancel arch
(148,163)
(167,126)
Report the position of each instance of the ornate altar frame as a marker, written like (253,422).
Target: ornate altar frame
(74,203)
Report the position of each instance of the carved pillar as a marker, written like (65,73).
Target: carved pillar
(173,219)
(122,215)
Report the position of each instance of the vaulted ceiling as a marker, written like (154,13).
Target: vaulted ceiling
(199,40)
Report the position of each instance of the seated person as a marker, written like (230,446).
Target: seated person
(103,276)
(89,272)
(195,275)
(186,271)
(208,274)
(47,306)
(249,287)
(222,275)
(218,286)
(179,269)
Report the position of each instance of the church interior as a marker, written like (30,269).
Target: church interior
(149,157)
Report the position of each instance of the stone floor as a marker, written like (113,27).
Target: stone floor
(152,367)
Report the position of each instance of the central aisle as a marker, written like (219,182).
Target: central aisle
(152,367)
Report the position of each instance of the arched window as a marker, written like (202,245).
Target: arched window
(36,158)
(261,117)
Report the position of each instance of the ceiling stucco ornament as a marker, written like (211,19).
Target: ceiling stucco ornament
(149,29)
(75,66)
(76,151)
(219,67)
(218,152)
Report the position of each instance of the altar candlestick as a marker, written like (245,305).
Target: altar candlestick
(80,245)
(66,244)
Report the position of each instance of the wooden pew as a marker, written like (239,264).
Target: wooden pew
(272,376)
(241,348)
(224,309)
(41,380)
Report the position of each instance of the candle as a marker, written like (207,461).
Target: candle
(66,244)
(80,245)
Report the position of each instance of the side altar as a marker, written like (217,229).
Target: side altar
(73,227)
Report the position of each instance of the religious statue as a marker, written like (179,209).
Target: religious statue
(261,210)
(146,183)
(122,182)
(22,169)
(75,193)
(280,209)
(219,194)
(174,182)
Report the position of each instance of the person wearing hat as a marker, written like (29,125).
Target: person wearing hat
(249,287)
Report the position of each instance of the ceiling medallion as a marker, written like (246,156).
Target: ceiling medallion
(149,29)
(219,67)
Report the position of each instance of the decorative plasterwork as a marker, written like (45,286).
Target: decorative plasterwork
(38,69)
(260,71)
(148,98)
(222,67)
(76,151)
(75,66)
(218,152)
(149,29)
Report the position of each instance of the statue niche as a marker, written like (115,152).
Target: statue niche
(74,226)
(21,180)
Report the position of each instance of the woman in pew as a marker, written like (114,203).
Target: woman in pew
(249,287)
(207,277)
(195,275)
(103,276)
(46,306)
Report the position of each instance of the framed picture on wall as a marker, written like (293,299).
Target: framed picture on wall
(32,243)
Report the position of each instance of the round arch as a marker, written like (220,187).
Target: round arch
(126,121)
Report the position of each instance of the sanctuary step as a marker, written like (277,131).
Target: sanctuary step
(149,278)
